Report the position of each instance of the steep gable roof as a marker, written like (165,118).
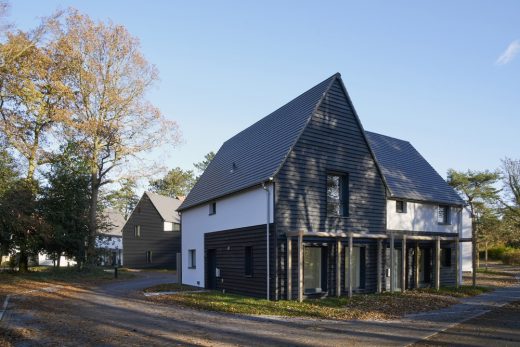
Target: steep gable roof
(255,154)
(114,222)
(166,206)
(408,174)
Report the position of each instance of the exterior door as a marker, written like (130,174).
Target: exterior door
(425,265)
(211,270)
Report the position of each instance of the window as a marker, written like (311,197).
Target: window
(213,208)
(149,257)
(248,261)
(313,270)
(337,195)
(400,206)
(170,226)
(192,263)
(446,257)
(137,230)
(358,268)
(444,214)
(176,227)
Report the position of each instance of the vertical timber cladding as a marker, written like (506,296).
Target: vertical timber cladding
(230,248)
(333,141)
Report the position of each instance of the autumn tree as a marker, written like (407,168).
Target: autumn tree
(177,182)
(510,202)
(114,123)
(8,177)
(477,189)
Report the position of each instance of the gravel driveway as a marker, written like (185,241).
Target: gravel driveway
(117,314)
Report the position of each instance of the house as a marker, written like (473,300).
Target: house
(304,203)
(109,242)
(152,233)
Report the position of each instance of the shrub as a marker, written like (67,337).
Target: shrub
(497,252)
(511,256)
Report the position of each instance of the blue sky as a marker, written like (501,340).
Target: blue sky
(443,75)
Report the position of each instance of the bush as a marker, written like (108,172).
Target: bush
(497,252)
(511,256)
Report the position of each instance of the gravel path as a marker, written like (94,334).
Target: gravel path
(118,315)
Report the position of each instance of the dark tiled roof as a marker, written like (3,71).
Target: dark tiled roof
(255,154)
(408,175)
(166,206)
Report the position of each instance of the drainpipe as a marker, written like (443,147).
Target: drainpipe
(265,185)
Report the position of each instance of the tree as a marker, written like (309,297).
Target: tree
(124,199)
(511,181)
(203,165)
(476,187)
(113,121)
(8,176)
(64,204)
(34,99)
(175,183)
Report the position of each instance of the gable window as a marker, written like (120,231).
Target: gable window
(443,216)
(446,257)
(248,261)
(192,262)
(176,227)
(170,226)
(149,257)
(400,206)
(137,230)
(337,195)
(213,208)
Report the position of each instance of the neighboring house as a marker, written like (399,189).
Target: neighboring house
(152,233)
(109,242)
(45,259)
(307,175)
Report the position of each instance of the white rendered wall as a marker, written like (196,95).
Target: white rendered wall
(466,247)
(64,261)
(419,217)
(239,210)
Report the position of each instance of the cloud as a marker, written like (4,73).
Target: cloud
(510,53)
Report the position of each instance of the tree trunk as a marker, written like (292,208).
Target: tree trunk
(93,220)
(23,261)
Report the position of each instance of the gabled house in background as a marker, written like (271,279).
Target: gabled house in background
(109,242)
(152,233)
(304,203)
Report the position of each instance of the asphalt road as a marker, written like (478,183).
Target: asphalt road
(117,314)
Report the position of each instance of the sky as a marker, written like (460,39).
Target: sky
(444,75)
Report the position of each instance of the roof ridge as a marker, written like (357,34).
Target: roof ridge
(390,137)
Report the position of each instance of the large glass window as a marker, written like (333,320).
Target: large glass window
(337,195)
(312,269)
(358,268)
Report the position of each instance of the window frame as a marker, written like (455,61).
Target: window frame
(212,208)
(344,195)
(403,208)
(446,218)
(248,261)
(192,258)
(149,257)
(137,231)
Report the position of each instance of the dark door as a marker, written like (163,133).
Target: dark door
(427,265)
(211,271)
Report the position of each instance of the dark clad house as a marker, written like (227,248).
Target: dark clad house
(297,205)
(152,233)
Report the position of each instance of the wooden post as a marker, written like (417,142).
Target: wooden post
(403,264)
(349,265)
(392,264)
(300,267)
(338,268)
(457,262)
(437,263)
(289,268)
(417,264)
(379,265)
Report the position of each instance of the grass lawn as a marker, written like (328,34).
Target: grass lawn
(170,287)
(40,276)
(369,306)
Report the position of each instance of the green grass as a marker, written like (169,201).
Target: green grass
(170,287)
(366,306)
(483,270)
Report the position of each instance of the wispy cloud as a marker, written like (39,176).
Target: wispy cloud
(510,53)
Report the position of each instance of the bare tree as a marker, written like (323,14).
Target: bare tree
(113,121)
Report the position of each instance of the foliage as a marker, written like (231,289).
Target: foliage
(65,203)
(177,182)
(203,165)
(123,199)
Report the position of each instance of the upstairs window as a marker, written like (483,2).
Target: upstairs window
(137,230)
(212,208)
(248,261)
(400,206)
(170,226)
(176,227)
(192,260)
(337,195)
(443,216)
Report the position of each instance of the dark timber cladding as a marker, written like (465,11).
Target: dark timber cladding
(229,249)
(164,245)
(333,141)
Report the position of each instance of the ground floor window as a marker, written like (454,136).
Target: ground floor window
(358,268)
(313,271)
(192,259)
(149,257)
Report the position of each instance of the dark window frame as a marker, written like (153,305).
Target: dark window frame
(248,261)
(149,257)
(137,230)
(344,195)
(446,220)
(192,258)
(212,208)
(401,206)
